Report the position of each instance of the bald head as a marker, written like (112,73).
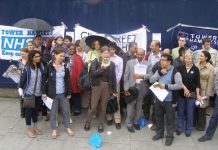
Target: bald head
(140,54)
(167,51)
(140,50)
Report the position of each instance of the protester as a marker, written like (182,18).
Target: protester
(129,55)
(118,61)
(24,52)
(178,63)
(56,85)
(211,129)
(206,46)
(67,39)
(187,96)
(153,58)
(169,79)
(59,42)
(207,75)
(75,67)
(94,52)
(181,43)
(30,84)
(155,54)
(131,79)
(80,50)
(29,45)
(38,44)
(103,79)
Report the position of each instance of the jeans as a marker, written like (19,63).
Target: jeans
(32,113)
(213,121)
(185,111)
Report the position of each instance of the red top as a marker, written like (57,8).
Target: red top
(75,71)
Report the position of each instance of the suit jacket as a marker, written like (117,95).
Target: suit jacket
(129,79)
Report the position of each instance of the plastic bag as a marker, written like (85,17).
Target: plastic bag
(95,140)
(143,122)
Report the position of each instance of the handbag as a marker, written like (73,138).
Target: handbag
(84,82)
(29,100)
(112,105)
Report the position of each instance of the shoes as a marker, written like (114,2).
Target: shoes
(30,133)
(109,122)
(136,126)
(100,128)
(37,131)
(130,129)
(87,126)
(76,113)
(70,132)
(178,132)
(54,134)
(204,138)
(157,137)
(169,141)
(188,134)
(153,127)
(118,126)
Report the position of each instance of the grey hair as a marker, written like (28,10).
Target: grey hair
(132,44)
(190,52)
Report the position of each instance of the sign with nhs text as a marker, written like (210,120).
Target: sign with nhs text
(12,39)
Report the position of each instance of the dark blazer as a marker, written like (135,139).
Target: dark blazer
(96,72)
(26,76)
(49,81)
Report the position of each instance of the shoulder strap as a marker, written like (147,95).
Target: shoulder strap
(34,90)
(173,74)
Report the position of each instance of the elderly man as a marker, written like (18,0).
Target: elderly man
(135,77)
(171,80)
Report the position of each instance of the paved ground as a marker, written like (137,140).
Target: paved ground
(13,137)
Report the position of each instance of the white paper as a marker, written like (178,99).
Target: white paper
(140,69)
(48,102)
(14,76)
(160,93)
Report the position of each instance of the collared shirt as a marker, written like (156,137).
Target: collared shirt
(30,88)
(118,66)
(60,87)
(153,59)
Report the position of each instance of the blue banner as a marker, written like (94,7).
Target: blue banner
(194,36)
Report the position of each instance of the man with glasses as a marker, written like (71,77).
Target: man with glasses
(168,78)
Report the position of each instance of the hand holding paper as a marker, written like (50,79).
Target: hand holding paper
(160,93)
(48,102)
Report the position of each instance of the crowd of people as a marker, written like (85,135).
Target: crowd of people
(53,71)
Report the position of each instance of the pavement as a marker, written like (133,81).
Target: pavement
(13,137)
